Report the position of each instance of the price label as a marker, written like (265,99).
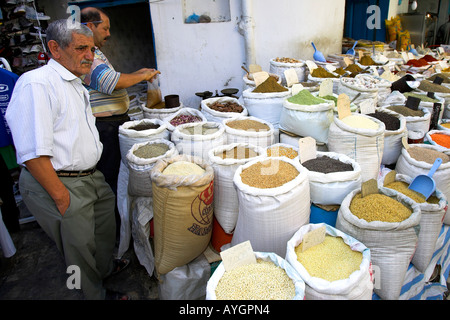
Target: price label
(260,77)
(366,107)
(326,88)
(343,106)
(347,61)
(307,149)
(369,187)
(238,255)
(405,56)
(390,177)
(296,88)
(313,238)
(311,65)
(291,77)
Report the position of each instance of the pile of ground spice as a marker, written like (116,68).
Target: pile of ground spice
(417,63)
(367,61)
(145,126)
(326,164)
(320,72)
(429,86)
(427,155)
(304,97)
(407,112)
(444,77)
(441,139)
(269,85)
(392,123)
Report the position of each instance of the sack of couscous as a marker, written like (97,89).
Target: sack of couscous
(389,226)
(270,278)
(432,214)
(337,268)
(183,189)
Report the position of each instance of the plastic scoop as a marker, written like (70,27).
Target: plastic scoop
(425,184)
(352,50)
(318,56)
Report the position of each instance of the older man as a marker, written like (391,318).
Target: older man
(58,145)
(109,97)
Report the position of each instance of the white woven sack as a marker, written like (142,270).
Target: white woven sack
(411,167)
(417,124)
(307,120)
(299,284)
(429,140)
(249,84)
(358,286)
(393,139)
(153,113)
(265,106)
(331,188)
(279,68)
(198,144)
(429,105)
(217,116)
(431,220)
(183,111)
(392,244)
(446,114)
(139,183)
(269,217)
(320,80)
(259,139)
(128,137)
(226,206)
(440,125)
(358,93)
(384,90)
(365,146)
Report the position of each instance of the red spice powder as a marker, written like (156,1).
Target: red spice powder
(417,62)
(441,139)
(429,58)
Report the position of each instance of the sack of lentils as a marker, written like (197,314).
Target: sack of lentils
(308,116)
(270,278)
(196,139)
(361,138)
(274,202)
(388,226)
(418,159)
(338,268)
(279,65)
(396,129)
(184,115)
(266,101)
(183,190)
(331,177)
(417,121)
(250,130)
(137,131)
(220,108)
(444,124)
(432,211)
(141,159)
(439,138)
(225,160)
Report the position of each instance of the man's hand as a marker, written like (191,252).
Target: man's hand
(127,80)
(148,74)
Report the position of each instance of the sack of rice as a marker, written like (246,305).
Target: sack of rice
(269,278)
(418,159)
(432,214)
(274,201)
(137,131)
(183,189)
(220,108)
(225,160)
(331,177)
(361,138)
(388,225)
(141,159)
(307,116)
(334,265)
(249,130)
(279,65)
(196,139)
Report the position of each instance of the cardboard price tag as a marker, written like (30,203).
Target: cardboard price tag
(367,107)
(296,88)
(312,238)
(390,177)
(347,61)
(326,88)
(260,77)
(307,149)
(343,106)
(291,77)
(369,187)
(405,142)
(238,255)
(311,65)
(405,56)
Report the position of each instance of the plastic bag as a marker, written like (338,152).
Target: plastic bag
(153,93)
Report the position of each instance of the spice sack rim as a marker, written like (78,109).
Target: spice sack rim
(301,178)
(172,182)
(301,63)
(124,129)
(323,106)
(299,284)
(249,94)
(206,109)
(402,128)
(360,131)
(432,142)
(213,159)
(177,134)
(250,133)
(423,164)
(412,221)
(426,113)
(131,157)
(323,285)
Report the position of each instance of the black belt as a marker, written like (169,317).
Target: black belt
(118,117)
(72,174)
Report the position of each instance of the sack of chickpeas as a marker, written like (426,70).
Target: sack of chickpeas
(335,266)
(274,201)
(225,160)
(432,211)
(269,278)
(183,189)
(389,226)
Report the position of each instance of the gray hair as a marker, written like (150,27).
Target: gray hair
(61,31)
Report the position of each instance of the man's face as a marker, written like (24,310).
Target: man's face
(101,31)
(78,56)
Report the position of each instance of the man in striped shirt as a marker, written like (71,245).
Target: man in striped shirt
(58,146)
(108,96)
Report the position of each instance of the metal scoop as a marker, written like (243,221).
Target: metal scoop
(352,50)
(318,56)
(424,184)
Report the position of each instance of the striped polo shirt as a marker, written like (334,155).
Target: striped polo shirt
(105,101)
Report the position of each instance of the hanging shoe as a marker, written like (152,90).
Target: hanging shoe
(24,22)
(34,15)
(19,10)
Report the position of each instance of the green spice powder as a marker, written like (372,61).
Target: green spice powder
(305,97)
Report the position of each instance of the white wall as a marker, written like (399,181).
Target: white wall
(198,57)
